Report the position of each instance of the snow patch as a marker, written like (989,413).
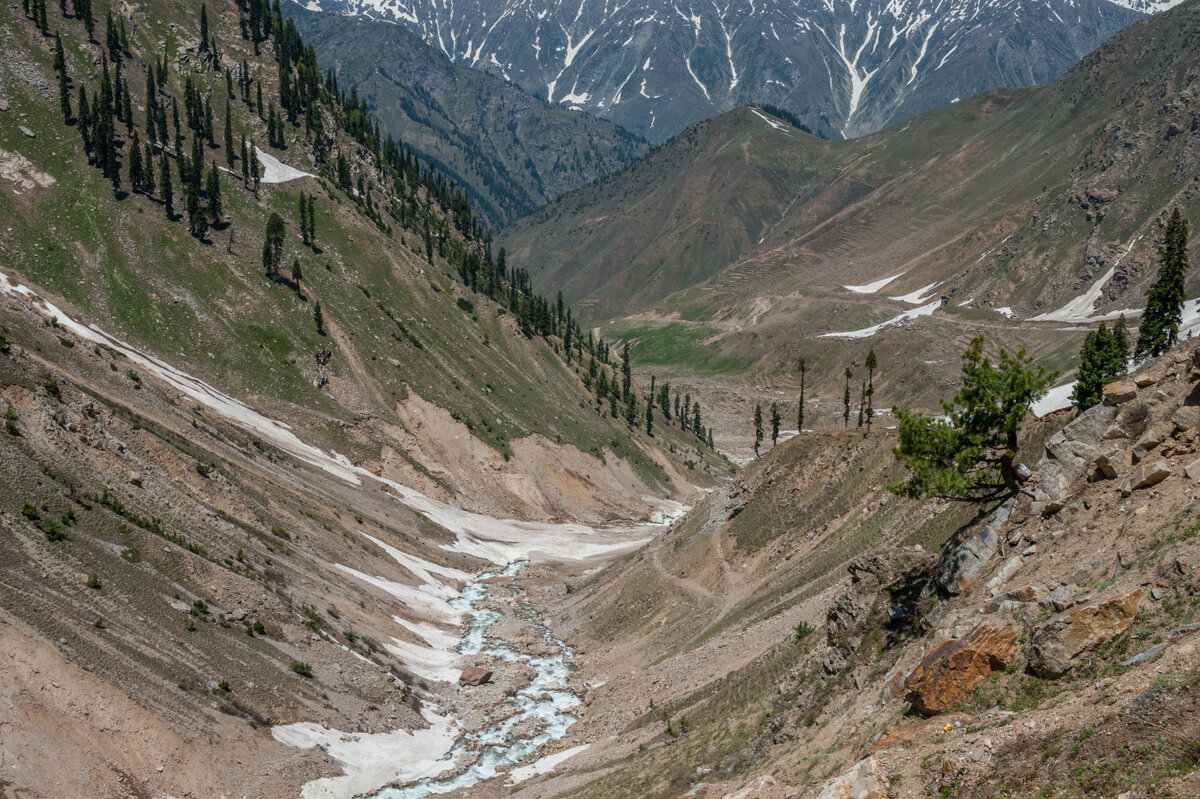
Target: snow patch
(1053,400)
(867,332)
(275,171)
(544,765)
(917,297)
(1005,311)
(371,760)
(871,288)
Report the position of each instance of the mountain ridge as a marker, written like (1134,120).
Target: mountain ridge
(845,68)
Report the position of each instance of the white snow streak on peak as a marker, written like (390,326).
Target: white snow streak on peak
(782,128)
(1080,310)
(917,297)
(858,81)
(867,332)
(871,288)
(275,171)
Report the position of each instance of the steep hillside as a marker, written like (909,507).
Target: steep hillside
(265,443)
(802,631)
(844,68)
(511,151)
(747,234)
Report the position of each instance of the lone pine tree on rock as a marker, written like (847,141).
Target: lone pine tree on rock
(968,453)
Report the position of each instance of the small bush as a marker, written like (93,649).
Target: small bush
(190,626)
(98,623)
(10,422)
(224,685)
(93,581)
(301,668)
(52,389)
(803,630)
(131,555)
(205,469)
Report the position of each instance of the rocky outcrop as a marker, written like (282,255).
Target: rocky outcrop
(1069,454)
(869,575)
(864,780)
(952,670)
(966,553)
(1059,642)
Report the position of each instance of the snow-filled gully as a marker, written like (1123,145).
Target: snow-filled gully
(416,761)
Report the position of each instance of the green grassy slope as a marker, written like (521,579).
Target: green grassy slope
(394,318)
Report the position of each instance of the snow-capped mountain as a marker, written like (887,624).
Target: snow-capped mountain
(844,67)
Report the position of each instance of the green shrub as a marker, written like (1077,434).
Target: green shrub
(301,668)
(93,581)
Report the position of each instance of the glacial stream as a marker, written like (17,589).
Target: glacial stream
(544,700)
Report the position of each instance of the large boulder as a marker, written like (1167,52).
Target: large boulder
(952,670)
(965,554)
(864,780)
(473,675)
(1059,642)
(1148,474)
(1119,393)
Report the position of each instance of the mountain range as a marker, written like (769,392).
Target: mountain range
(843,67)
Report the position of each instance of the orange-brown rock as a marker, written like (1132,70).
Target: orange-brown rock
(955,667)
(1058,642)
(473,675)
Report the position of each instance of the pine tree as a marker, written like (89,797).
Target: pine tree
(85,125)
(148,182)
(136,179)
(774,424)
(203,28)
(166,190)
(304,218)
(697,426)
(800,409)
(1164,303)
(626,372)
(43,22)
(650,419)
(846,401)
(60,62)
(297,274)
(273,246)
(631,406)
(1101,361)
(758,428)
(872,364)
(862,404)
(213,189)
(1121,341)
(64,95)
(83,10)
(312,222)
(969,452)
(319,319)
(229,145)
